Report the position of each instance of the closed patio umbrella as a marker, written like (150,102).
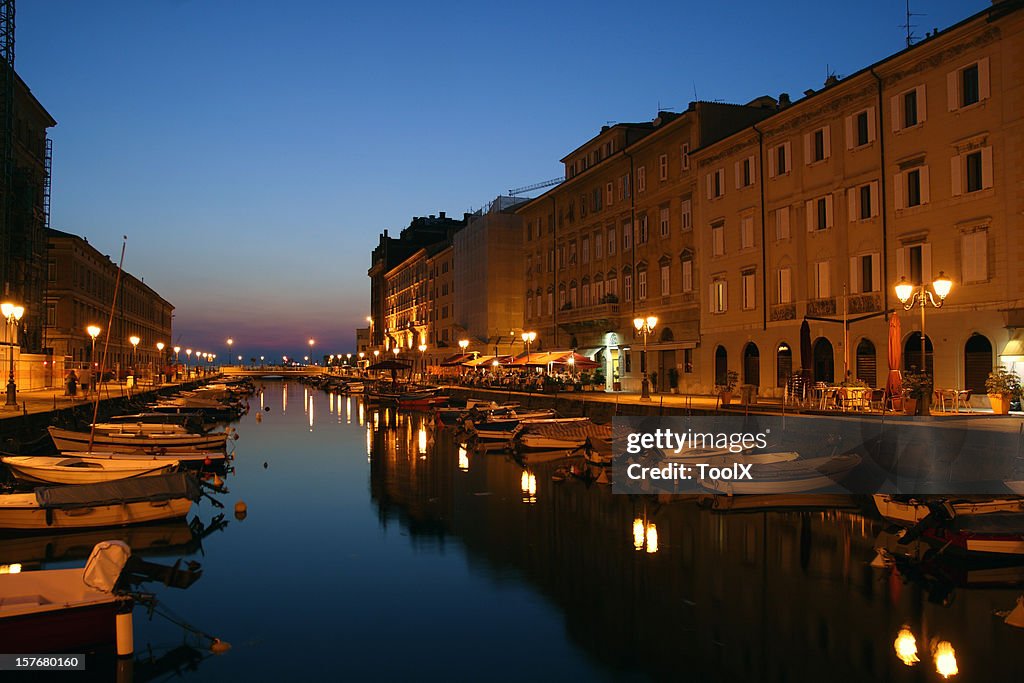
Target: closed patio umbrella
(894,382)
(805,350)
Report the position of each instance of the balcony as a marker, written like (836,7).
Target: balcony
(865,303)
(783,312)
(585,318)
(826,306)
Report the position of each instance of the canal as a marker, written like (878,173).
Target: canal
(375,548)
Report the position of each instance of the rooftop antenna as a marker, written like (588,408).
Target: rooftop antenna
(695,92)
(908,27)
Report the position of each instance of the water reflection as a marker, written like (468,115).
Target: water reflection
(746,595)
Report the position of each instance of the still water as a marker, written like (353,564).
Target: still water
(375,549)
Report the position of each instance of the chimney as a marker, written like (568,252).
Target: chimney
(784,100)
(442,215)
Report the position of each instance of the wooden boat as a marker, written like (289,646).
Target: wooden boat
(191,421)
(779,501)
(73,470)
(909,510)
(64,610)
(113,503)
(182,457)
(136,428)
(998,533)
(791,475)
(142,442)
(558,434)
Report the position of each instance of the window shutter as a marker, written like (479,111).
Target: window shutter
(807,148)
(773,162)
(710,186)
(983,85)
(874,198)
(899,201)
(926,262)
(753,169)
(810,213)
(876,272)
(829,215)
(967,258)
(986,167)
(871,124)
(850,142)
(955,174)
(788,146)
(785,286)
(851,203)
(782,223)
(901,263)
(981,254)
(894,110)
(854,262)
(925,194)
(824,285)
(952,92)
(711,298)
(828,141)
(922,105)
(725,295)
(737,170)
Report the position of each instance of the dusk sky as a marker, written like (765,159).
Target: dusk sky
(253,151)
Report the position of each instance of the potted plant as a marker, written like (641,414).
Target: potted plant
(673,380)
(726,391)
(598,379)
(584,381)
(917,393)
(1002,387)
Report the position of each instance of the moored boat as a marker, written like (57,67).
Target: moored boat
(140,442)
(909,510)
(75,470)
(558,434)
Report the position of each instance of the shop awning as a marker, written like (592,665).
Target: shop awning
(457,359)
(487,361)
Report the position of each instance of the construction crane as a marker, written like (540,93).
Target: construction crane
(536,186)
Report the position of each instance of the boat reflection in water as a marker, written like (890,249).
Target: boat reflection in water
(663,587)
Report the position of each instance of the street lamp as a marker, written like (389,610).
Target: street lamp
(230,342)
(12,313)
(529,338)
(160,359)
(177,349)
(188,358)
(423,366)
(261,361)
(135,346)
(94,331)
(922,297)
(311,342)
(645,326)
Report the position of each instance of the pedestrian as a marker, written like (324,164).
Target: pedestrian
(85,380)
(72,383)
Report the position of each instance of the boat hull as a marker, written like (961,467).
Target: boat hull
(26,515)
(66,440)
(57,474)
(70,629)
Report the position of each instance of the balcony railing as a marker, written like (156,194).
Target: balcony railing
(825,306)
(865,303)
(783,312)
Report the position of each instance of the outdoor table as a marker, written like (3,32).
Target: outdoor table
(956,397)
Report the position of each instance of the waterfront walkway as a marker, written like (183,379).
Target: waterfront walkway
(34,401)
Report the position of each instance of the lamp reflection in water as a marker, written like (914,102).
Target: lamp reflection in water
(348,410)
(528,484)
(645,536)
(422,434)
(284,399)
(310,413)
(362,415)
(369,443)
(463,458)
(945,659)
(906,647)
(331,395)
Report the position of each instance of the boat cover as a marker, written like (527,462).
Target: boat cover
(103,568)
(569,430)
(164,487)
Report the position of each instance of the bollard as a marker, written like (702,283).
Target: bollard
(125,637)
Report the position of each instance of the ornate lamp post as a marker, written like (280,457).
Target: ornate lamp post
(160,358)
(94,331)
(423,365)
(645,326)
(528,339)
(311,342)
(12,313)
(907,295)
(135,347)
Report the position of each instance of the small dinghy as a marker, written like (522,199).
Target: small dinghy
(74,470)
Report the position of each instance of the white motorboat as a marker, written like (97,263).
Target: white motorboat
(142,442)
(908,511)
(72,470)
(112,503)
(558,434)
(791,475)
(65,610)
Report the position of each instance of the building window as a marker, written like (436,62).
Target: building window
(972,171)
(914,263)
(780,160)
(627,287)
(684,156)
(974,255)
(748,290)
(641,237)
(817,145)
(51,315)
(663,167)
(641,178)
(822,284)
(744,171)
(782,223)
(716,183)
(719,296)
(687,274)
(865,273)
(641,285)
(860,128)
(609,191)
(627,236)
(910,108)
(819,213)
(686,215)
(666,276)
(718,239)
(747,232)
(785,286)
(968,85)
(598,245)
(611,241)
(663,221)
(585,287)
(51,271)
(585,250)
(913,179)
(572,253)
